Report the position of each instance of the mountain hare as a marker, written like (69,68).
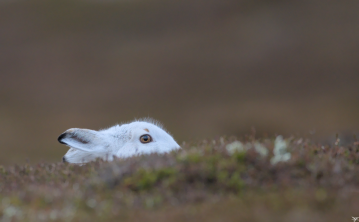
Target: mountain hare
(126,140)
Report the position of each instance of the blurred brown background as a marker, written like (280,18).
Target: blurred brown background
(204,68)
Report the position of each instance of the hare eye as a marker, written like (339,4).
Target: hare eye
(145,138)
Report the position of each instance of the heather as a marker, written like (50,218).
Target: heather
(220,179)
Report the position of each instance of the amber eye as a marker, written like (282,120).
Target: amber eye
(145,138)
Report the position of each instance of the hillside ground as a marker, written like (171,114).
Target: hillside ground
(224,179)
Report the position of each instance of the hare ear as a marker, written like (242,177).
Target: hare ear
(82,139)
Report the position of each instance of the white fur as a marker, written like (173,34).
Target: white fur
(120,140)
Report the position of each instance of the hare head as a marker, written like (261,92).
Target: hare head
(126,140)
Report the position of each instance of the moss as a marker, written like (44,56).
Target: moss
(2,170)
(235,182)
(147,179)
(192,158)
(239,157)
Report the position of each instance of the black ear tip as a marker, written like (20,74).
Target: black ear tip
(61,137)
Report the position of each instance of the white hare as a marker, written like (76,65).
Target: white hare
(135,138)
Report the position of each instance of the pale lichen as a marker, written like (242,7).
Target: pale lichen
(234,147)
(261,150)
(280,151)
